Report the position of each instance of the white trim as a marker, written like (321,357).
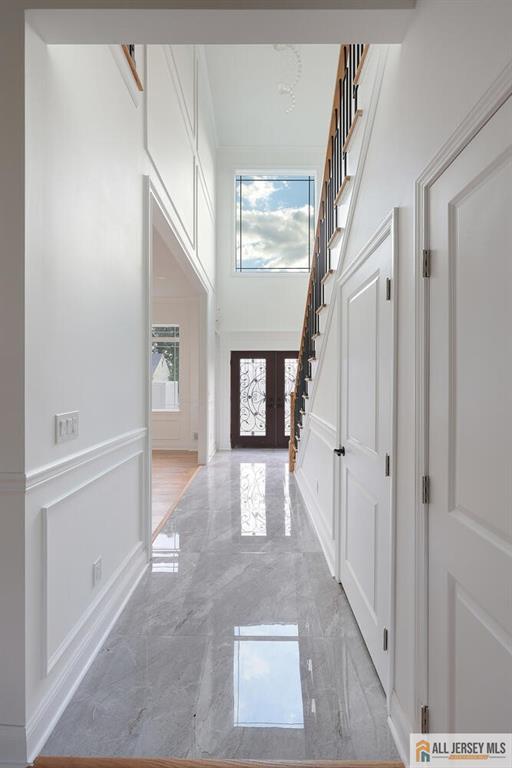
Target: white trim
(173,80)
(324,430)
(52,659)
(203,64)
(46,472)
(206,291)
(192,121)
(44,719)
(400,727)
(126,73)
(388,228)
(356,181)
(315,516)
(484,109)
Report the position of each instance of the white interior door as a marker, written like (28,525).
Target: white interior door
(366,436)
(470,432)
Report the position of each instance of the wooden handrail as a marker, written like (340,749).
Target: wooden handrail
(344,115)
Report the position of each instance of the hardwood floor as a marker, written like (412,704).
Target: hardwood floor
(138,762)
(172,472)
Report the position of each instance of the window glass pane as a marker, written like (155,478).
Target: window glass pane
(290,373)
(275,220)
(170,331)
(165,368)
(253,372)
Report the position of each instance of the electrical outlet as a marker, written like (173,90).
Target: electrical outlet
(67,426)
(196,435)
(97,571)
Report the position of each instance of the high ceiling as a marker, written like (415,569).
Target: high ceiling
(250,110)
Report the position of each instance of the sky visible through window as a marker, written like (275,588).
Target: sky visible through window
(275,219)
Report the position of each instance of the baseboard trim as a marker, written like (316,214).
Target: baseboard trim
(400,728)
(14,745)
(315,516)
(45,717)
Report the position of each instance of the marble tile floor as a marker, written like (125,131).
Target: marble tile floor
(237,643)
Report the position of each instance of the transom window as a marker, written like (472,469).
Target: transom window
(165,367)
(275,220)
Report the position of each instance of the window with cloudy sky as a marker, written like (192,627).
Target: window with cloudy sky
(275,219)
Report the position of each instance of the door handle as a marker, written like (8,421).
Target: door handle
(340,451)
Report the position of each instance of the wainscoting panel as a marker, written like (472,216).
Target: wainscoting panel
(77,533)
(87,508)
(315,477)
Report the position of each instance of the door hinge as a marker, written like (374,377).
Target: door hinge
(388,289)
(385,639)
(427,262)
(387,465)
(425,489)
(425,719)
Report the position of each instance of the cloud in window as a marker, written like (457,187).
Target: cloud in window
(256,193)
(275,238)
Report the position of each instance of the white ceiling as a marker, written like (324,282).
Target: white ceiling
(249,111)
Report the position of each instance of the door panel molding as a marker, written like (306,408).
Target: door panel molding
(495,96)
(388,229)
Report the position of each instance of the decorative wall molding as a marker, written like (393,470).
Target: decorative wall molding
(315,515)
(45,717)
(47,472)
(174,83)
(499,91)
(323,430)
(52,658)
(191,118)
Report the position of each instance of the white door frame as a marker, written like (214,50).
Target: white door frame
(388,228)
(151,199)
(482,112)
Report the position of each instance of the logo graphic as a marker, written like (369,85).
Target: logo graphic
(423,751)
(460,750)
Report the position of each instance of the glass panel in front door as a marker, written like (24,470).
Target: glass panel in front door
(253,374)
(290,372)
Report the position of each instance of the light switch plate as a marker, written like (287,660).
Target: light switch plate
(67,426)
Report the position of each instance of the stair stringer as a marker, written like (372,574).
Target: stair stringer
(381,52)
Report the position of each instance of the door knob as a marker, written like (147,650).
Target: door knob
(340,451)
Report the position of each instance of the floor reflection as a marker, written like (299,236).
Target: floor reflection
(253,512)
(267,691)
(287,503)
(166,547)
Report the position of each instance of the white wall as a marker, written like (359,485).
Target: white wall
(255,312)
(89,148)
(431,82)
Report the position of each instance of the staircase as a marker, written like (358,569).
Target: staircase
(343,151)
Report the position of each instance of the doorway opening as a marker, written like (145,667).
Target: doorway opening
(261,387)
(176,315)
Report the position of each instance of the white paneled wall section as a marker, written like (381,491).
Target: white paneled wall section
(91,150)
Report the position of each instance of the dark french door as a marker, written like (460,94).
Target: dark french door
(261,384)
